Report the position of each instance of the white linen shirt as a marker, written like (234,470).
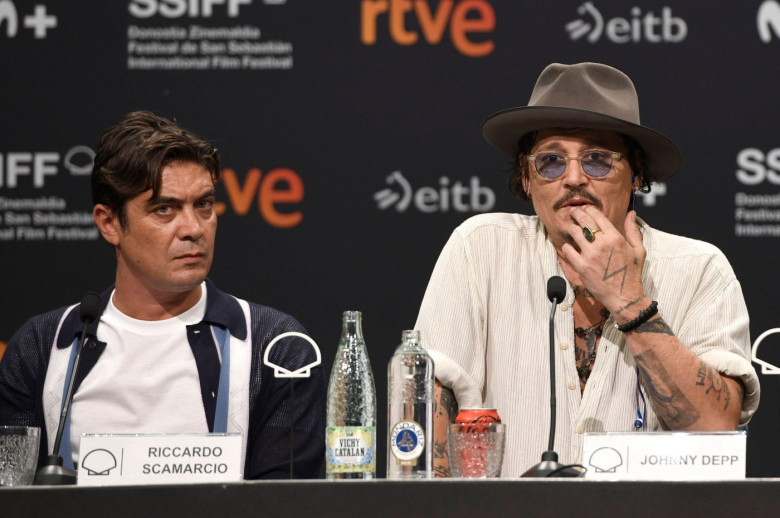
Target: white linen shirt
(486,309)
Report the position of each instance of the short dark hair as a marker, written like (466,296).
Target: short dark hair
(131,155)
(636,156)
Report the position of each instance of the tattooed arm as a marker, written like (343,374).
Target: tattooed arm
(445,408)
(685,392)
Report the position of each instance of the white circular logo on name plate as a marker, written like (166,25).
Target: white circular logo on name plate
(407,440)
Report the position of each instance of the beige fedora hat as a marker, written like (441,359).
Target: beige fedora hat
(584,95)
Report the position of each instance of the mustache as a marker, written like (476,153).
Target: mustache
(578,193)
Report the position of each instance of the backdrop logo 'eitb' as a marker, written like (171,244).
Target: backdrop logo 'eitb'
(639,26)
(468,23)
(457,196)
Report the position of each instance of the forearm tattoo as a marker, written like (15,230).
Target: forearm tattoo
(713,383)
(445,408)
(656,325)
(670,403)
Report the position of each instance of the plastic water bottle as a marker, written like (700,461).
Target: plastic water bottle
(350,437)
(410,385)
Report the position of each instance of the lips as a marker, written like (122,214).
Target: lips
(576,203)
(191,256)
(577,198)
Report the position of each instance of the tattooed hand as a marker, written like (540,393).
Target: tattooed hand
(445,408)
(610,267)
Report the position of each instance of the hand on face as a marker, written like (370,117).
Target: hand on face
(610,266)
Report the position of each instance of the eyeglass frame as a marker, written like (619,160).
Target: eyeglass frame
(615,156)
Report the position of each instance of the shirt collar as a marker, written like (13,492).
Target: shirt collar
(221,309)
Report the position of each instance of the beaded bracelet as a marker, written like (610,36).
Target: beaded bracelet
(643,317)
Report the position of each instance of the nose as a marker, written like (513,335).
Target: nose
(190,225)
(573,175)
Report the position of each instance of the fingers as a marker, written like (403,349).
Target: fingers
(631,230)
(592,217)
(596,223)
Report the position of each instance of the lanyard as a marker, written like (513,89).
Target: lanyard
(223,392)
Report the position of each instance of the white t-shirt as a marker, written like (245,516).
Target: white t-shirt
(146,380)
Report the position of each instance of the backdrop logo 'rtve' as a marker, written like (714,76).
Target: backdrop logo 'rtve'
(467,22)
(638,27)
(279,188)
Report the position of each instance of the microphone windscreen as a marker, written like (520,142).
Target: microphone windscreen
(556,289)
(90,306)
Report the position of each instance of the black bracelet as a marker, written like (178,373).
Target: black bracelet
(643,317)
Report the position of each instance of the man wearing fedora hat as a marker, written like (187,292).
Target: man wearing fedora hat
(652,333)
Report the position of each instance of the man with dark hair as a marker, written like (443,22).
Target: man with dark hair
(653,331)
(156,359)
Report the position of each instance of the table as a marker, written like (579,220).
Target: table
(379,498)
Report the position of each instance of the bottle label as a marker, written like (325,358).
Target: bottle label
(407,442)
(350,449)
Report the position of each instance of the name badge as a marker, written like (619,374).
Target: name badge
(665,455)
(124,459)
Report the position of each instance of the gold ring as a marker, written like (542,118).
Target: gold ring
(590,233)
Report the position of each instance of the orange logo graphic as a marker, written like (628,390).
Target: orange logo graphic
(279,186)
(464,18)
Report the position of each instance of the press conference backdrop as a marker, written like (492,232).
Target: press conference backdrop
(350,140)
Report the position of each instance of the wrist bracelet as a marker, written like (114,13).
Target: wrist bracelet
(643,317)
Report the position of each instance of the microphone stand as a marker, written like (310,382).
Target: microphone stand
(53,473)
(549,466)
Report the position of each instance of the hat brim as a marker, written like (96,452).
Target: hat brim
(504,129)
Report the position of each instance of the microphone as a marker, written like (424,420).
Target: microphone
(53,473)
(556,291)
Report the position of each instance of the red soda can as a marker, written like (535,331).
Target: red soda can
(479,417)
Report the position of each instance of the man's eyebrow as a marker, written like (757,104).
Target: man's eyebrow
(172,199)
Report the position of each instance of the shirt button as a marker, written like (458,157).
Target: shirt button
(580,429)
(564,345)
(571,385)
(564,307)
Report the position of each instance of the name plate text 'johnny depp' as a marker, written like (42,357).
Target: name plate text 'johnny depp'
(664,455)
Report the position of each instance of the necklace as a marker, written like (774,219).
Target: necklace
(586,358)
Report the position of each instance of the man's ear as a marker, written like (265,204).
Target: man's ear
(526,173)
(637,177)
(107,223)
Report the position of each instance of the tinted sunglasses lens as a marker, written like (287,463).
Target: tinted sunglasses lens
(597,164)
(550,165)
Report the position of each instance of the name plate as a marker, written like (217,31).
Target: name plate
(125,459)
(664,455)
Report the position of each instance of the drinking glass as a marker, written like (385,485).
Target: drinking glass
(18,454)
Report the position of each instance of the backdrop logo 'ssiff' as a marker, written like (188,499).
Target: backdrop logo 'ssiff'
(457,196)
(33,168)
(768,20)
(187,8)
(638,27)
(468,23)
(37,19)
